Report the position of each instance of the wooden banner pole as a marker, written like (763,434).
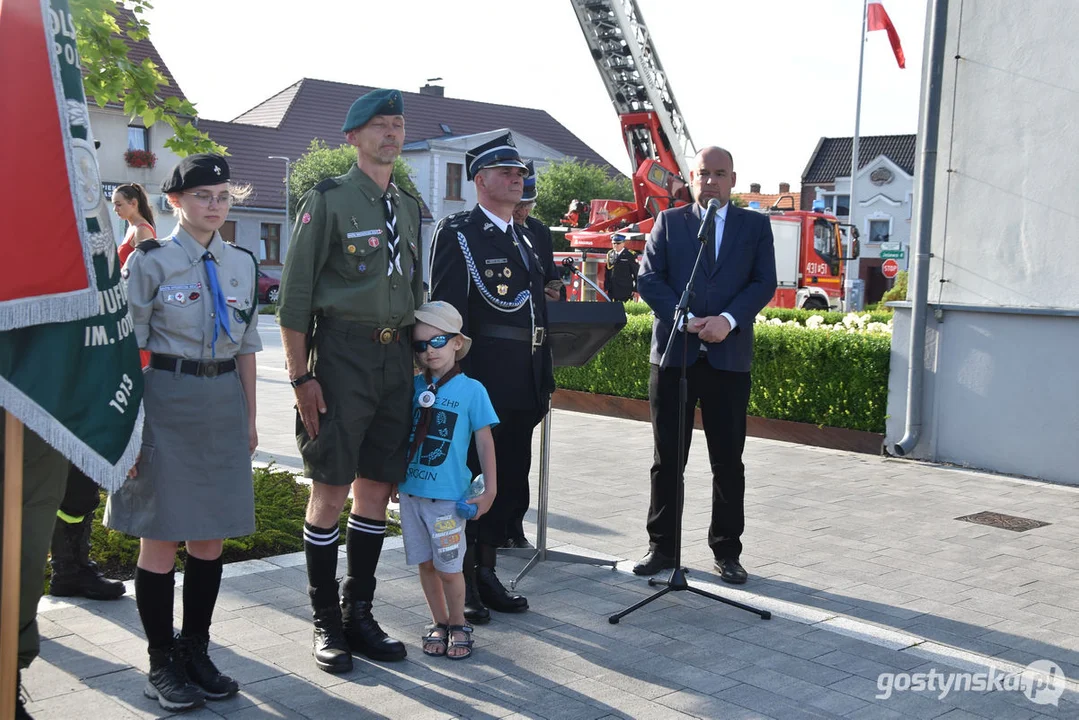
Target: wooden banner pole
(9,575)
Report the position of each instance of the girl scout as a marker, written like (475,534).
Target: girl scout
(193,303)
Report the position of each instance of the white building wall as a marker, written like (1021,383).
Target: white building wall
(891,201)
(1002,390)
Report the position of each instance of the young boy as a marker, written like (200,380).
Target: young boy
(449,409)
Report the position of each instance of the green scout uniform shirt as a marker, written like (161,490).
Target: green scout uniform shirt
(337,258)
(172,306)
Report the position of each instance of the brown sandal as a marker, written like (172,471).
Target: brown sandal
(435,635)
(454,643)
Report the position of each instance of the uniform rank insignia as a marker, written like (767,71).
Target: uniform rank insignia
(503,289)
(488,226)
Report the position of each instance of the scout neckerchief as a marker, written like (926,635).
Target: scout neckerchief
(427,402)
(221,308)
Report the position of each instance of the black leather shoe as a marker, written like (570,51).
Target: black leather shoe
(365,636)
(731,571)
(475,611)
(330,647)
(520,543)
(202,671)
(494,594)
(652,563)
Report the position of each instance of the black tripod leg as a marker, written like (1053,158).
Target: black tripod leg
(613,619)
(764,614)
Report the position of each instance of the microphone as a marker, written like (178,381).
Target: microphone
(708,222)
(567,262)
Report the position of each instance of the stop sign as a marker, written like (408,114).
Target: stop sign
(890,268)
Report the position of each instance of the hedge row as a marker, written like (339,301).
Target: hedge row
(784,314)
(822,377)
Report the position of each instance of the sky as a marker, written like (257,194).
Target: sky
(764,78)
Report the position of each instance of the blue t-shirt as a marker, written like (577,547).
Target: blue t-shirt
(439,469)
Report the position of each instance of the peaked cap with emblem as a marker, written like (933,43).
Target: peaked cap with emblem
(376,102)
(499,152)
(530,193)
(196,171)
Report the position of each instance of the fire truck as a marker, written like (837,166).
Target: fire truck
(809,244)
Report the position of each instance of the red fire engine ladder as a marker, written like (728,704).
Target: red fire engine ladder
(627,61)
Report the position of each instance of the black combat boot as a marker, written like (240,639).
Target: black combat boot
(330,646)
(201,669)
(491,590)
(475,611)
(74,574)
(169,684)
(362,631)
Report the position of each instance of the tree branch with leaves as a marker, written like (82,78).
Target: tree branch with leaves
(110,77)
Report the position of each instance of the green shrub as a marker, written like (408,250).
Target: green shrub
(817,376)
(280,504)
(882,315)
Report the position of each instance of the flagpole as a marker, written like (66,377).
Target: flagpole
(854,159)
(9,575)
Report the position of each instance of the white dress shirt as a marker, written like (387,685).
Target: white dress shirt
(721,222)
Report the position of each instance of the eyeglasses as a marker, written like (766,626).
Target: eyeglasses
(438,341)
(205,199)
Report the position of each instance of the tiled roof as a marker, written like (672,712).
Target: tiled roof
(286,123)
(833,155)
(140,50)
(767,200)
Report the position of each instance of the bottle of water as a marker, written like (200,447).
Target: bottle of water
(475,489)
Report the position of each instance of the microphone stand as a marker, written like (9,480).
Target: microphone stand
(578,273)
(677,580)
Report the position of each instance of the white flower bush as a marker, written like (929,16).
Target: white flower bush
(851,323)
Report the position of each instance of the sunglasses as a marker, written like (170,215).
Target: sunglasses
(438,341)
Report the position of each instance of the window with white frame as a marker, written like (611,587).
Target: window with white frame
(880,230)
(138,138)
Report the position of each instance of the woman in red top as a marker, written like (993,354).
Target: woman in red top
(131,205)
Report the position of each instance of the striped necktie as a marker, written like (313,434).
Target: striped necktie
(391,227)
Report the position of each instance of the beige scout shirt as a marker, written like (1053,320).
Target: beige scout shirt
(338,255)
(172,306)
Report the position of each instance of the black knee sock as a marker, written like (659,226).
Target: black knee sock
(363,542)
(154,599)
(202,580)
(320,546)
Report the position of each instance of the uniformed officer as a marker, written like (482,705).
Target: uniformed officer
(554,288)
(490,271)
(193,301)
(620,281)
(349,290)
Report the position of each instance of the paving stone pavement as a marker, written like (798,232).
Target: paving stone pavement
(871,580)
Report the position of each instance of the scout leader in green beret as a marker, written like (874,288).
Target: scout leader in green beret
(349,291)
(193,301)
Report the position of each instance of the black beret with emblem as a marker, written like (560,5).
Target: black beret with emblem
(499,152)
(376,102)
(196,171)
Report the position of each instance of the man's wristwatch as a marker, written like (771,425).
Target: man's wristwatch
(302,379)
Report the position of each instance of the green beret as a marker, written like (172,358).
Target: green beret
(376,102)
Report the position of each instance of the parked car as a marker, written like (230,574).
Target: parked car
(268,288)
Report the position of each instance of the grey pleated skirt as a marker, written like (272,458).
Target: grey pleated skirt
(194,475)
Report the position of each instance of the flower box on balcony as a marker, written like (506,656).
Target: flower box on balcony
(140,158)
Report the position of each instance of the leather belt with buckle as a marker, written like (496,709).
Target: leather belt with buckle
(199,368)
(534,337)
(385,336)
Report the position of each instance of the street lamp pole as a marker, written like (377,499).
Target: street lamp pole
(288,223)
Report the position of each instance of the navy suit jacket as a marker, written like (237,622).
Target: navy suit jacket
(740,282)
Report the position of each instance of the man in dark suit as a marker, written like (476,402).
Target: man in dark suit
(488,269)
(737,278)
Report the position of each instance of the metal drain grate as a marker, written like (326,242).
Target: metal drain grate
(1005,522)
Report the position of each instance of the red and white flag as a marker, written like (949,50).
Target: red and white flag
(877,19)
